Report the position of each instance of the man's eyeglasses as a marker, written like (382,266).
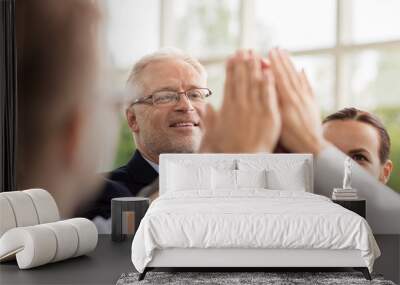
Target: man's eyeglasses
(169,97)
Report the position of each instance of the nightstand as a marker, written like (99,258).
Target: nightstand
(126,214)
(358,206)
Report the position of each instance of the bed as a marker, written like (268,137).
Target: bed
(247,211)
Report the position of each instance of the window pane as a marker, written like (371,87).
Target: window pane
(206,28)
(373,20)
(295,24)
(374,86)
(320,71)
(132,30)
(374,80)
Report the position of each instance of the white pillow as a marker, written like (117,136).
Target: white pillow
(293,180)
(281,174)
(251,179)
(224,179)
(182,177)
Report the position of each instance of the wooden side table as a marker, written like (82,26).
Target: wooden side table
(358,206)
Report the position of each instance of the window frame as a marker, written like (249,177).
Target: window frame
(246,39)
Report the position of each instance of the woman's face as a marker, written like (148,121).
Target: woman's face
(361,142)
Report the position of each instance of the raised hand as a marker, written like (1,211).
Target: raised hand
(249,119)
(301,123)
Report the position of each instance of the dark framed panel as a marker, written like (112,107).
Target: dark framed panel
(8,95)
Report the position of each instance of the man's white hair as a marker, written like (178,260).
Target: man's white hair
(134,79)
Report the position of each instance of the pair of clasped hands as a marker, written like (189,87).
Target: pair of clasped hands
(267,103)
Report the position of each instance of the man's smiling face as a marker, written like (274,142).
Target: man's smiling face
(169,129)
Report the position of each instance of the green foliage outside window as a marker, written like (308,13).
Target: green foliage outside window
(126,145)
(391,119)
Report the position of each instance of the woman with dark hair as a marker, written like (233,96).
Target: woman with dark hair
(303,132)
(363,137)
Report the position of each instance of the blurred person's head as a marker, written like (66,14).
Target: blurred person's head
(61,120)
(363,137)
(174,127)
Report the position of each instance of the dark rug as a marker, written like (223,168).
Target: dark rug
(225,278)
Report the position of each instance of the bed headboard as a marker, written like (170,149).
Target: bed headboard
(283,164)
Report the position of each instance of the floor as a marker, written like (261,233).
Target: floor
(389,262)
(106,264)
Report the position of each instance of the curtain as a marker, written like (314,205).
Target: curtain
(8,95)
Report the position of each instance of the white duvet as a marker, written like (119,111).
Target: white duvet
(252,218)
